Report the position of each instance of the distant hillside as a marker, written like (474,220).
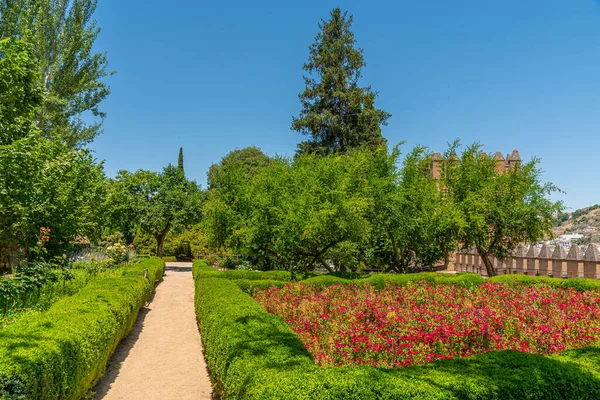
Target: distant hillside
(585,221)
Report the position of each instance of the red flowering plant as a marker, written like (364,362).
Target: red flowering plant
(39,251)
(422,322)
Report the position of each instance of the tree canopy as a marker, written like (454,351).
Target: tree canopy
(45,184)
(20,90)
(500,210)
(62,34)
(154,203)
(335,211)
(246,161)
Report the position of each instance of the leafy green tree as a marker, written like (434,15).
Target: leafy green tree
(414,233)
(239,164)
(413,229)
(298,212)
(500,210)
(20,90)
(156,203)
(227,183)
(126,195)
(336,211)
(337,113)
(71,73)
(45,183)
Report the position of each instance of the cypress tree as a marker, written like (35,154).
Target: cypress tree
(180,160)
(337,114)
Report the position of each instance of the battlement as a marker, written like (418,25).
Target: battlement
(503,164)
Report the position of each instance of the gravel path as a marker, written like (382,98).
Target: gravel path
(162,356)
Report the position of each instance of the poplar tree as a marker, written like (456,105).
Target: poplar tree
(337,114)
(62,33)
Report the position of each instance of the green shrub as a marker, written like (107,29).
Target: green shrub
(327,280)
(579,284)
(254,355)
(468,279)
(249,286)
(169,259)
(381,280)
(61,353)
(282,276)
(201,269)
(227,263)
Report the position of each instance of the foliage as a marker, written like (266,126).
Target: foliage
(337,113)
(145,244)
(154,203)
(578,284)
(43,180)
(126,195)
(180,160)
(70,73)
(20,91)
(343,211)
(399,326)
(119,253)
(418,224)
(26,288)
(578,213)
(94,266)
(189,243)
(202,269)
(61,353)
(45,183)
(500,209)
(251,286)
(235,166)
(227,181)
(254,355)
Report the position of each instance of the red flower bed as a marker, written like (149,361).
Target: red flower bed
(421,322)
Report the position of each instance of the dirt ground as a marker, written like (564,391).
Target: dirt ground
(162,356)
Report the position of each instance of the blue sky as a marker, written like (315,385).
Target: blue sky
(215,76)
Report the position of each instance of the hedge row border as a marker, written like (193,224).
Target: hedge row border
(62,352)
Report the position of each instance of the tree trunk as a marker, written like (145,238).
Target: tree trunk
(160,239)
(446,259)
(396,260)
(489,267)
(160,242)
(324,264)
(279,257)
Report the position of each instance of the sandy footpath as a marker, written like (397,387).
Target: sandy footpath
(162,356)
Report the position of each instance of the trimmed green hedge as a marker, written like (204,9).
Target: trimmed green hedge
(203,269)
(249,286)
(255,355)
(579,284)
(468,279)
(61,353)
(169,259)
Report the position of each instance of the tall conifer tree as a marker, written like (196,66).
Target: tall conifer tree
(337,114)
(180,160)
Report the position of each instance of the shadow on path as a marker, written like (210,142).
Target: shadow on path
(175,268)
(123,349)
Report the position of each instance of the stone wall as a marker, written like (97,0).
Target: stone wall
(535,261)
(503,164)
